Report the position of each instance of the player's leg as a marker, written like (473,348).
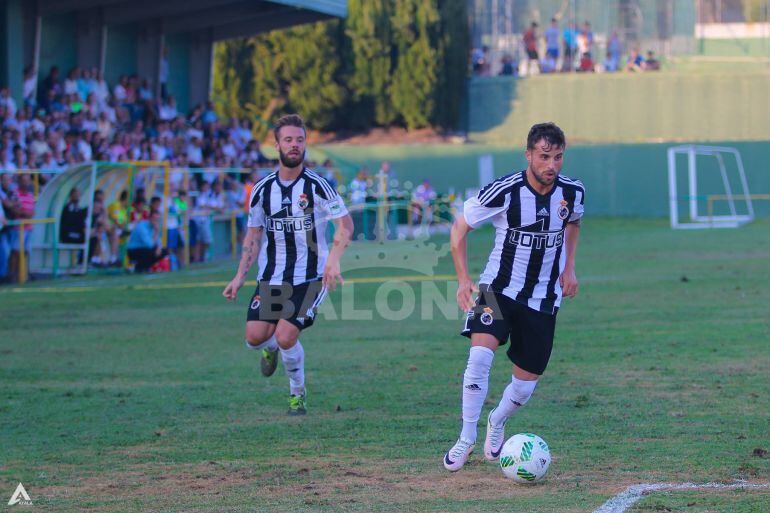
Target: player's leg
(487,329)
(260,335)
(530,350)
(298,314)
(293,357)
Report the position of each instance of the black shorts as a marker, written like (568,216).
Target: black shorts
(531,332)
(532,54)
(296,304)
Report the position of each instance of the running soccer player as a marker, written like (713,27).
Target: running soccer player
(288,214)
(536,214)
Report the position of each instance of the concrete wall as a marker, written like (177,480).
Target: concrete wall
(621,179)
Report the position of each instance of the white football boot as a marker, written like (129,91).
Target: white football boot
(458,455)
(493,443)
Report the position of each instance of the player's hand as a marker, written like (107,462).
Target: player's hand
(465,290)
(332,275)
(231,291)
(568,282)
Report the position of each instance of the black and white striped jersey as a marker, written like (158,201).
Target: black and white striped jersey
(529,254)
(294,218)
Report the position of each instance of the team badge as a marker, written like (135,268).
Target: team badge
(563,212)
(486,317)
(303,202)
(255,303)
(563,203)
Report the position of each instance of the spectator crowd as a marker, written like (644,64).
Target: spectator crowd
(572,48)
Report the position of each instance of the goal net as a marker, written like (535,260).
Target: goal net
(707,187)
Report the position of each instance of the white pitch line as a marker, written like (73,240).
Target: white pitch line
(635,493)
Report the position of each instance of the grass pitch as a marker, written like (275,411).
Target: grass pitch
(135,394)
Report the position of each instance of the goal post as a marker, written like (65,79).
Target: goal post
(736,195)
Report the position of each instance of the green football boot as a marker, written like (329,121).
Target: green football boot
(297,405)
(269,362)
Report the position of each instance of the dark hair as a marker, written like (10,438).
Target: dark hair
(288,120)
(123,195)
(155,199)
(552,134)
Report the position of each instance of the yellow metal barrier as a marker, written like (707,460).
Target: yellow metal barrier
(723,197)
(22,233)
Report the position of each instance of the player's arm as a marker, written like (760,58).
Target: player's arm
(251,245)
(459,245)
(568,279)
(343,231)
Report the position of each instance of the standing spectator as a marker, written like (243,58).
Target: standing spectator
(612,62)
(358,192)
(163,74)
(570,46)
(9,210)
(144,248)
(30,87)
(551,46)
(24,202)
(530,45)
(586,40)
(205,205)
(72,223)
(177,214)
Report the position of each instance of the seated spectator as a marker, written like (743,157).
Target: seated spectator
(422,201)
(635,61)
(586,63)
(144,248)
(611,63)
(651,63)
(72,223)
(117,214)
(509,66)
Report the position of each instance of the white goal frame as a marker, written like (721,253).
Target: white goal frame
(697,220)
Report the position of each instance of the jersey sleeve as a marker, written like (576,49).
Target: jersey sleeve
(579,207)
(484,206)
(256,210)
(329,202)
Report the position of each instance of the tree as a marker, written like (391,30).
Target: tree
(414,79)
(369,30)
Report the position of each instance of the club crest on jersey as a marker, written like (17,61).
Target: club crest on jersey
(486,317)
(563,212)
(303,201)
(255,303)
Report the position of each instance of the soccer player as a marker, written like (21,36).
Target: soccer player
(536,214)
(288,213)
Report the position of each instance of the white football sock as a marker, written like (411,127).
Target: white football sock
(294,365)
(516,395)
(270,344)
(475,385)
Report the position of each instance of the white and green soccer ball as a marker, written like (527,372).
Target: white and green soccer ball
(525,458)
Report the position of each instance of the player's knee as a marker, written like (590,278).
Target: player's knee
(285,339)
(522,390)
(255,335)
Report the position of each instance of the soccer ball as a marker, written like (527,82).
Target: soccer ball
(525,458)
